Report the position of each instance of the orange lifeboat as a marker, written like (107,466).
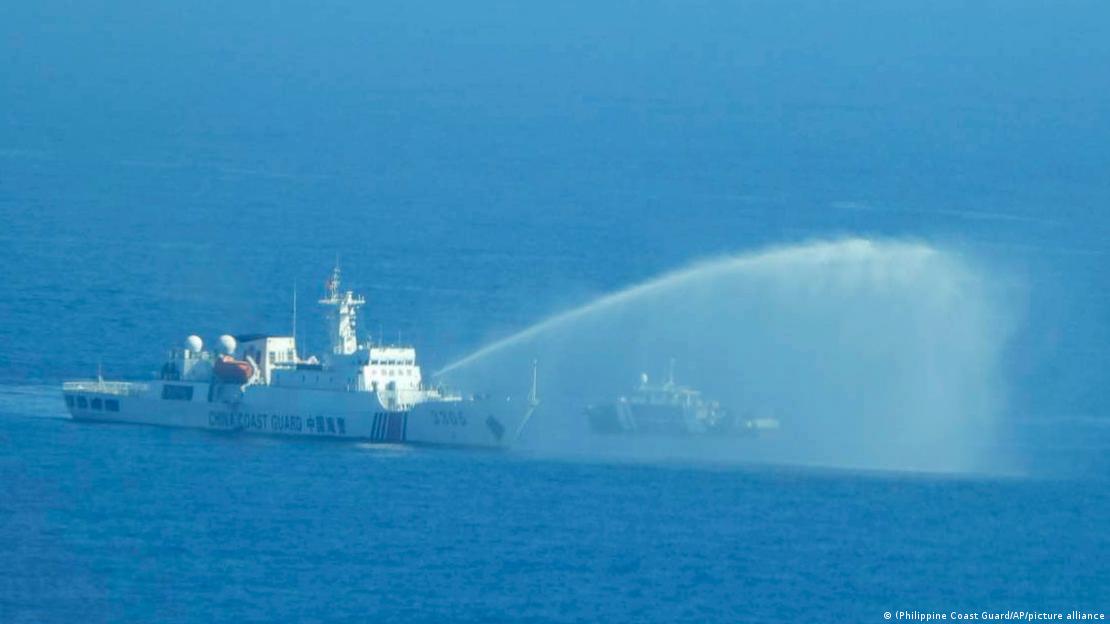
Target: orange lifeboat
(228,370)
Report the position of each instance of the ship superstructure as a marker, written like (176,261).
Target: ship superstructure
(260,383)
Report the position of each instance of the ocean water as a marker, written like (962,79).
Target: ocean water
(168,170)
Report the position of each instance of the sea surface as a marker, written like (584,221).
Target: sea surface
(175,169)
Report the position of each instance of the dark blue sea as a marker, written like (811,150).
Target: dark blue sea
(177,168)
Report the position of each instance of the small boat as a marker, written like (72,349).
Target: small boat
(670,409)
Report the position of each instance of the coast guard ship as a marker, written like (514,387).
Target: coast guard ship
(259,384)
(670,409)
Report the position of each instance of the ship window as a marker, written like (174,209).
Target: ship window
(69,400)
(97,404)
(177,393)
(111,405)
(82,402)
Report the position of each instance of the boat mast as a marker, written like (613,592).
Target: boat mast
(533,403)
(341,317)
(533,397)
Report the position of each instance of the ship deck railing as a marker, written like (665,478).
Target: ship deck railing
(120,388)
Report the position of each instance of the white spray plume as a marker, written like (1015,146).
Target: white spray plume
(873,354)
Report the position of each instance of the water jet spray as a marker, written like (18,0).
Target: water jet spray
(876,354)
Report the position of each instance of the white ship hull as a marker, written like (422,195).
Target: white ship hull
(259,383)
(269,410)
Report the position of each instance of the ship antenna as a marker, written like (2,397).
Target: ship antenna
(533,403)
(533,396)
(294,318)
(670,377)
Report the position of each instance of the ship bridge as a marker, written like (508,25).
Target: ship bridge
(392,367)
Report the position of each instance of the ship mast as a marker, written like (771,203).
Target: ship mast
(341,317)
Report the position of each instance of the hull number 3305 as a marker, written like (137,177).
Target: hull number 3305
(449,418)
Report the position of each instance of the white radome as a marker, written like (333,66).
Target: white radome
(227,344)
(194,343)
